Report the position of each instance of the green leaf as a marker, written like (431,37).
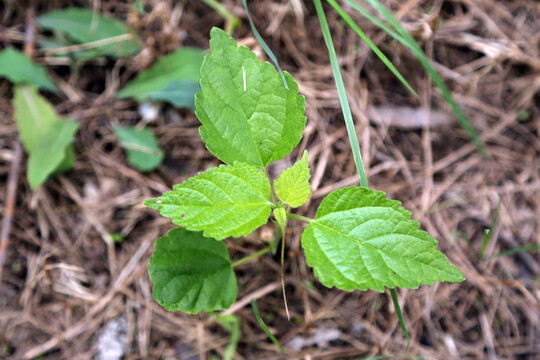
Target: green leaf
(33,114)
(45,136)
(45,159)
(247,113)
(84,26)
(192,273)
(292,186)
(359,239)
(226,201)
(178,93)
(173,78)
(141,146)
(19,69)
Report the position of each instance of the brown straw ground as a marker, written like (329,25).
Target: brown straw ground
(65,281)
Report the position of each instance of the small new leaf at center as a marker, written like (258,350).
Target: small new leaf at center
(292,186)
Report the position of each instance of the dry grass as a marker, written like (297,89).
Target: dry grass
(64,279)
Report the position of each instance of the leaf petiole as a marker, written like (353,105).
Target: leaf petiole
(299,217)
(252,256)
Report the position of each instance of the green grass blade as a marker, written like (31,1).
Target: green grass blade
(264,327)
(232,21)
(351,131)
(515,251)
(488,232)
(400,316)
(231,323)
(263,44)
(401,35)
(370,43)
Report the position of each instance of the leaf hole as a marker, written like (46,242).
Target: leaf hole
(182,215)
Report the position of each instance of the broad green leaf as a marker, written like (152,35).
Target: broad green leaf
(34,116)
(173,78)
(361,240)
(231,200)
(45,159)
(83,26)
(19,69)
(143,151)
(292,186)
(192,273)
(247,113)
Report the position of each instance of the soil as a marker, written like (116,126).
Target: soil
(66,288)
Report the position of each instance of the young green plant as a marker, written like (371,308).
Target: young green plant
(357,240)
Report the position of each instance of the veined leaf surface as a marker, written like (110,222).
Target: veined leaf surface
(292,186)
(192,273)
(247,113)
(231,200)
(359,239)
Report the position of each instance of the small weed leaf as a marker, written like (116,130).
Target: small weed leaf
(174,78)
(46,137)
(292,186)
(231,200)
(19,69)
(359,239)
(141,146)
(49,155)
(247,113)
(85,26)
(192,273)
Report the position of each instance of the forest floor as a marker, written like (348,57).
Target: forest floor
(65,286)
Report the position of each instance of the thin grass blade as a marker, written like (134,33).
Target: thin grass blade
(351,131)
(264,327)
(401,35)
(488,232)
(263,44)
(370,43)
(400,316)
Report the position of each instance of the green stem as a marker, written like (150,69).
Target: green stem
(400,315)
(299,217)
(252,256)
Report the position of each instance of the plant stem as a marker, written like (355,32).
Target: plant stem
(299,217)
(252,256)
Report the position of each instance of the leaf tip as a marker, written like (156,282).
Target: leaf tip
(153,204)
